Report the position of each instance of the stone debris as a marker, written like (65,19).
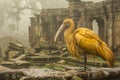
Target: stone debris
(42,72)
(61,62)
(45,73)
(2,68)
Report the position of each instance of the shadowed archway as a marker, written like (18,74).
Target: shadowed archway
(98,27)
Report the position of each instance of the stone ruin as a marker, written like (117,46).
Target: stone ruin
(50,61)
(106,13)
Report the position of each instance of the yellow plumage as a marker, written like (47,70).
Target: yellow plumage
(85,41)
(90,43)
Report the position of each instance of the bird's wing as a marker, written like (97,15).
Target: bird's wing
(88,34)
(92,44)
(86,39)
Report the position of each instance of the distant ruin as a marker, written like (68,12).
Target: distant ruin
(106,14)
(45,60)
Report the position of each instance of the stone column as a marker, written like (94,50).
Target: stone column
(74,10)
(115,22)
(105,30)
(31,30)
(52,27)
(116,31)
(109,23)
(89,23)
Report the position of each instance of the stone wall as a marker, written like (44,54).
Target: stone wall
(106,13)
(71,74)
(51,19)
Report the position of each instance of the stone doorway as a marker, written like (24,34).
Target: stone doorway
(99,28)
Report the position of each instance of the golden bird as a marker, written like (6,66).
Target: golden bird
(84,41)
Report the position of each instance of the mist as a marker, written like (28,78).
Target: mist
(15,14)
(14,20)
(94,0)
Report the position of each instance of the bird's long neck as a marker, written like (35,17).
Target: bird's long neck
(68,32)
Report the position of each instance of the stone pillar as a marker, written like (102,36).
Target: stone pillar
(74,10)
(33,21)
(31,31)
(109,23)
(89,23)
(37,20)
(115,22)
(116,39)
(52,27)
(105,30)
(34,32)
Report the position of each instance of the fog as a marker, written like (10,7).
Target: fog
(15,14)
(94,0)
(14,20)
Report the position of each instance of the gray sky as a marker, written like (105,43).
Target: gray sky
(94,0)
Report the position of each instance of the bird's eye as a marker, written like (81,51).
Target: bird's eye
(67,24)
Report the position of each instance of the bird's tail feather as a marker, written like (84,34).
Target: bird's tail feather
(106,54)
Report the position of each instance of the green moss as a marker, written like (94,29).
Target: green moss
(53,66)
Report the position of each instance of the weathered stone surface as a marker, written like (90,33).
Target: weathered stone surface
(10,75)
(2,68)
(61,62)
(16,64)
(45,74)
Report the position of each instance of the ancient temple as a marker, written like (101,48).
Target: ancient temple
(84,13)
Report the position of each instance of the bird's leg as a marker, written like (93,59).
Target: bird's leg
(85,61)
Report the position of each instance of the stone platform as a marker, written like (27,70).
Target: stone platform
(73,73)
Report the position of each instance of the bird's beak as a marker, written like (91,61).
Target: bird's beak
(58,32)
